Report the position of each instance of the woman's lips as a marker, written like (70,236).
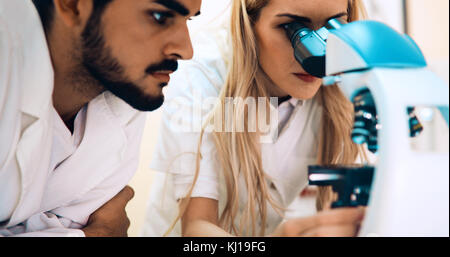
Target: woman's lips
(306,77)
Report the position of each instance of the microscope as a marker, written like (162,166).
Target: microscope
(384,74)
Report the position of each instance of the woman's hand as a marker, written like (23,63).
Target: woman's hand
(310,191)
(201,218)
(342,222)
(111,220)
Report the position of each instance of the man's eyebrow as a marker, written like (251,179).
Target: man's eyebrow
(306,19)
(175,6)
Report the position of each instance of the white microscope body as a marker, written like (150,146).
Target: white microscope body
(410,190)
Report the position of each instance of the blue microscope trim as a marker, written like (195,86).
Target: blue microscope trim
(381,46)
(445,113)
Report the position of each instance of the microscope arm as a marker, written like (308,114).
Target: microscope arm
(410,189)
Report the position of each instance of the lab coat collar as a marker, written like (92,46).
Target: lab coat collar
(296,102)
(122,111)
(105,130)
(292,101)
(274,134)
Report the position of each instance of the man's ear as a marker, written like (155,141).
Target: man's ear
(73,13)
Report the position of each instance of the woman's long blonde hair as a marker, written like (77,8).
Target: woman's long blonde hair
(240,152)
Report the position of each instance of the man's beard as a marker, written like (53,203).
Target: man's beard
(105,71)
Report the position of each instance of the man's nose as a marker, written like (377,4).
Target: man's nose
(180,44)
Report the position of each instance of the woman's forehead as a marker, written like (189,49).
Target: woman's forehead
(307,7)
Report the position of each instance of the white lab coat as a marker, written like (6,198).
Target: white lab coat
(285,160)
(54,202)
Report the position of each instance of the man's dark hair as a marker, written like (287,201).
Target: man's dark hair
(46,11)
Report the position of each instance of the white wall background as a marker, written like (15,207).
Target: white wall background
(387,11)
(213,11)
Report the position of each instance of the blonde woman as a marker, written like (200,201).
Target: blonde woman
(234,183)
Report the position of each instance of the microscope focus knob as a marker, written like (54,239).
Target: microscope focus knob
(365,128)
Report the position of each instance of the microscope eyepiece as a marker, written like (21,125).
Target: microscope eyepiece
(294,29)
(310,46)
(336,23)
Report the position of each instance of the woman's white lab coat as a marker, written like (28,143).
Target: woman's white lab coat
(35,198)
(285,160)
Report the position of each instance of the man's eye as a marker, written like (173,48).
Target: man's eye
(161,17)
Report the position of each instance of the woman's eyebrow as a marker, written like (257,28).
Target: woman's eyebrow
(306,19)
(295,17)
(339,15)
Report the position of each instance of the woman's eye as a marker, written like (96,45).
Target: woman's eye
(283,26)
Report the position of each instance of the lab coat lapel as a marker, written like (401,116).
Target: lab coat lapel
(33,153)
(295,150)
(98,156)
(33,158)
(34,146)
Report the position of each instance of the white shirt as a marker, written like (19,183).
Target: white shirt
(64,142)
(285,160)
(50,180)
